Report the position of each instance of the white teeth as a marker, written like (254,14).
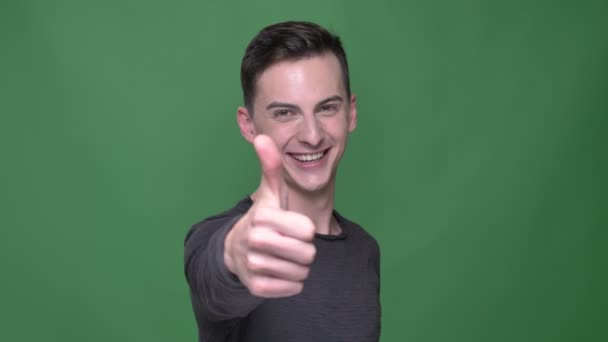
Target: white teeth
(308,157)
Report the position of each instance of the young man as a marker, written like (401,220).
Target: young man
(283,265)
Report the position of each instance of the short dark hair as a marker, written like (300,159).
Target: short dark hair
(290,40)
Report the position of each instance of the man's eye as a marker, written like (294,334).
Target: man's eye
(281,113)
(329,108)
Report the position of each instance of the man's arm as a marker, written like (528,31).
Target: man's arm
(267,252)
(217,294)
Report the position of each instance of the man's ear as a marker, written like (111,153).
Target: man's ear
(352,113)
(245,121)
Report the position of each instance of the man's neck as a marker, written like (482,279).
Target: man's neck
(318,206)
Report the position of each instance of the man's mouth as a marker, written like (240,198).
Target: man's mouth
(308,157)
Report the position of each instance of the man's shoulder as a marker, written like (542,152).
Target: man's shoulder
(213,222)
(355,230)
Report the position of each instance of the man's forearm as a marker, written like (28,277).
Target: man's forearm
(218,292)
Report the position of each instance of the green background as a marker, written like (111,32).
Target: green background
(479,162)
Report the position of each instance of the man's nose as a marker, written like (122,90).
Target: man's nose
(310,131)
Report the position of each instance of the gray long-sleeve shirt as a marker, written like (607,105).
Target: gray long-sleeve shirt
(340,300)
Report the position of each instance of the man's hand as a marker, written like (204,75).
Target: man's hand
(270,248)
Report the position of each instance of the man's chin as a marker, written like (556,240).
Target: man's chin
(309,187)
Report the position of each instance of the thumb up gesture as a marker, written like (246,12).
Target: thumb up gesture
(270,248)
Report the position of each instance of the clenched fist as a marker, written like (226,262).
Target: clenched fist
(270,248)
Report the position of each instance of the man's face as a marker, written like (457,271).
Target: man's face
(303,106)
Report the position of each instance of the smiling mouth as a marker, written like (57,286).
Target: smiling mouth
(308,157)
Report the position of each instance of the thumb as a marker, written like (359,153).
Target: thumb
(272,170)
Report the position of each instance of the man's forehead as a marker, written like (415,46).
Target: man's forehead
(302,80)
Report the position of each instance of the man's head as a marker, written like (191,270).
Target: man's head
(295,81)
(291,40)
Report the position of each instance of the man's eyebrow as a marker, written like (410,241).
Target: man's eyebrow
(282,105)
(327,100)
(297,108)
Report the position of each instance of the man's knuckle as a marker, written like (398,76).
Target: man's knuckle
(259,287)
(254,286)
(256,216)
(257,239)
(253,264)
(263,214)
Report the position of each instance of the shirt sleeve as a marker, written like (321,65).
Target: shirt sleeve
(217,294)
